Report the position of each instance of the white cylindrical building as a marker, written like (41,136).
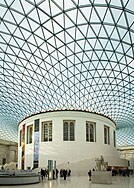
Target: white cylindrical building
(70,137)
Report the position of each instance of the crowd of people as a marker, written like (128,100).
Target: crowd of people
(121,172)
(63,173)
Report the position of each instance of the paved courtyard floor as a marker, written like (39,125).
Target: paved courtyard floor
(80,182)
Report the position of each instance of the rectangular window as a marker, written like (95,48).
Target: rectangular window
(68,130)
(46,131)
(90,131)
(114,138)
(20,137)
(29,134)
(106,135)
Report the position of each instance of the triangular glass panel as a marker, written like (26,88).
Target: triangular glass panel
(115,44)
(68,22)
(102,32)
(89,53)
(104,57)
(86,11)
(122,20)
(101,11)
(120,48)
(94,56)
(98,45)
(56,27)
(51,41)
(42,16)
(25,25)
(68,5)
(70,35)
(13,42)
(108,18)
(70,48)
(11,27)
(54,8)
(115,35)
(119,56)
(4,38)
(114,57)
(126,47)
(45,7)
(109,29)
(94,17)
(116,3)
(85,57)
(116,13)
(2,11)
(90,33)
(19,36)
(80,18)
(132,37)
(92,42)
(96,29)
(60,19)
(130,4)
(72,14)
(84,29)
(8,16)
(17,16)
(33,25)
(130,53)
(25,33)
(79,35)
(127,38)
(47,32)
(3,48)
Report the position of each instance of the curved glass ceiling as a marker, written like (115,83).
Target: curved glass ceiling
(69,54)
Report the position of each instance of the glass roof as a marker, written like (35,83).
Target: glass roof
(69,54)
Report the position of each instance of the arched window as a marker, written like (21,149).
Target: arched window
(90,132)
(114,138)
(29,134)
(46,131)
(68,130)
(106,135)
(20,137)
(65,131)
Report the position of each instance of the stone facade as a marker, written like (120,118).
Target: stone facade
(58,144)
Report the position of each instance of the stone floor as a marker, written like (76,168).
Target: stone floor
(80,182)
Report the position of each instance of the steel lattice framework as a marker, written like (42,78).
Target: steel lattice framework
(66,54)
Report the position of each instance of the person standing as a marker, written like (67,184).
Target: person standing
(89,174)
(42,174)
(64,174)
(57,171)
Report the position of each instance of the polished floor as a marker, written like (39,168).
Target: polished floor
(80,182)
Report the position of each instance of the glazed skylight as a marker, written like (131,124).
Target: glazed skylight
(66,54)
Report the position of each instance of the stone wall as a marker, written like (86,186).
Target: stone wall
(8,152)
(127,152)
